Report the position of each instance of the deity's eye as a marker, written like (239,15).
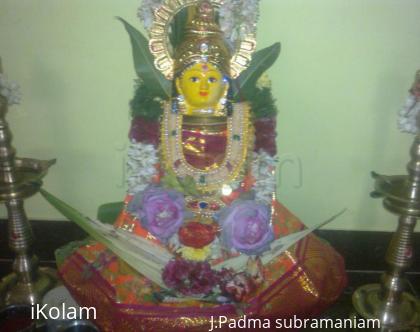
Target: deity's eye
(212,79)
(194,79)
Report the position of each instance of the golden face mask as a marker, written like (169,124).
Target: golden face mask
(203,89)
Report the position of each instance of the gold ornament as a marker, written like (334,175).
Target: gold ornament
(240,137)
(204,41)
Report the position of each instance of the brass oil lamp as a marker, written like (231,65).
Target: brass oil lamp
(396,309)
(20,178)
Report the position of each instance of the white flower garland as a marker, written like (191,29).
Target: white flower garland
(407,117)
(142,159)
(146,12)
(238,18)
(10,91)
(264,169)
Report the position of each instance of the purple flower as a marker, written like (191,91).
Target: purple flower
(161,211)
(246,227)
(190,278)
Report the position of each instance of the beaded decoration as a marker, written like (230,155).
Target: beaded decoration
(238,142)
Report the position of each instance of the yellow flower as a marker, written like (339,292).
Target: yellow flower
(194,254)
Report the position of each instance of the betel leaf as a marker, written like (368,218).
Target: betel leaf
(261,61)
(143,63)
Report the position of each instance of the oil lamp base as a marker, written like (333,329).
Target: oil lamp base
(14,292)
(395,315)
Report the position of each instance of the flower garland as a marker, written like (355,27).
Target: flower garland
(199,280)
(145,104)
(264,82)
(142,160)
(141,166)
(263,170)
(407,117)
(238,18)
(10,91)
(146,11)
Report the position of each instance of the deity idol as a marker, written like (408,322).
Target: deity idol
(204,193)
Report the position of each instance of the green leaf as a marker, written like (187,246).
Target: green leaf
(189,185)
(262,103)
(142,255)
(261,61)
(108,213)
(144,63)
(144,104)
(170,180)
(184,185)
(177,33)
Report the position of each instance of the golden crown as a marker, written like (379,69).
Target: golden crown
(203,40)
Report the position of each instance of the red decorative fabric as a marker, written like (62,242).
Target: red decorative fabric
(313,280)
(302,282)
(202,150)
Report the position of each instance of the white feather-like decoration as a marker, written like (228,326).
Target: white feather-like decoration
(408,116)
(10,91)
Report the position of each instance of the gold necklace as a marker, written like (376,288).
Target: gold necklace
(238,141)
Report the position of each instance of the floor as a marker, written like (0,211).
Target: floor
(343,308)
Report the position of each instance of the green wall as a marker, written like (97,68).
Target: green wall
(341,78)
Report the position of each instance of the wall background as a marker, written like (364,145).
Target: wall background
(342,76)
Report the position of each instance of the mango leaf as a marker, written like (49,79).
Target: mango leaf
(261,61)
(177,33)
(144,65)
